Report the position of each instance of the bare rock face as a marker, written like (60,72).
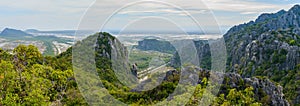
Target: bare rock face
(250,43)
(263,87)
(270,47)
(112,54)
(271,90)
(134,70)
(275,92)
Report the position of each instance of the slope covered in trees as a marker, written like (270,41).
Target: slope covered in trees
(28,78)
(263,59)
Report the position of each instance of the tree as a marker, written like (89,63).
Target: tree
(8,84)
(26,55)
(25,81)
(240,98)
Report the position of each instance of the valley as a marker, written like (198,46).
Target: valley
(49,68)
(49,43)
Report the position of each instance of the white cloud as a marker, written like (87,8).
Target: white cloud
(68,12)
(67,6)
(246,13)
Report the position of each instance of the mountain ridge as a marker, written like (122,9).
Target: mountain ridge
(268,46)
(9,32)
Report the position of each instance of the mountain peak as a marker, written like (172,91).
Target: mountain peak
(266,16)
(8,29)
(295,9)
(31,30)
(9,32)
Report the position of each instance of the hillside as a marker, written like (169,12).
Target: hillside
(262,90)
(48,44)
(110,56)
(263,69)
(268,46)
(108,48)
(7,32)
(156,45)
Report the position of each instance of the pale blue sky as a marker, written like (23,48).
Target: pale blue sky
(66,14)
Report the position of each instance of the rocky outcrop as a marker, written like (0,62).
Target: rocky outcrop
(134,70)
(268,46)
(274,92)
(263,87)
(112,59)
(255,43)
(204,54)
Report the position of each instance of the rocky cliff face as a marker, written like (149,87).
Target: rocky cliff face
(274,92)
(272,38)
(264,89)
(203,51)
(261,53)
(268,46)
(112,59)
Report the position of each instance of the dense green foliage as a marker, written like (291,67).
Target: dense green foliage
(158,94)
(26,78)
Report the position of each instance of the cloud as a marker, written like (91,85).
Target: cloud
(48,6)
(246,13)
(244,7)
(198,7)
(51,14)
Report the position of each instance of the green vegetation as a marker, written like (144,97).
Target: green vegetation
(28,78)
(237,98)
(144,58)
(46,39)
(273,54)
(156,45)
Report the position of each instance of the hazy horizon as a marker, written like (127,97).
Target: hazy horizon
(51,15)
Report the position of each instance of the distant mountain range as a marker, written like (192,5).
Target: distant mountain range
(65,32)
(8,32)
(61,32)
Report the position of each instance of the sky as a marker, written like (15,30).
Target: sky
(133,14)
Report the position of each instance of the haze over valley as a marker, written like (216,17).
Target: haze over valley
(149,62)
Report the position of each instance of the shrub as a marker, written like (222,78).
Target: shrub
(292,42)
